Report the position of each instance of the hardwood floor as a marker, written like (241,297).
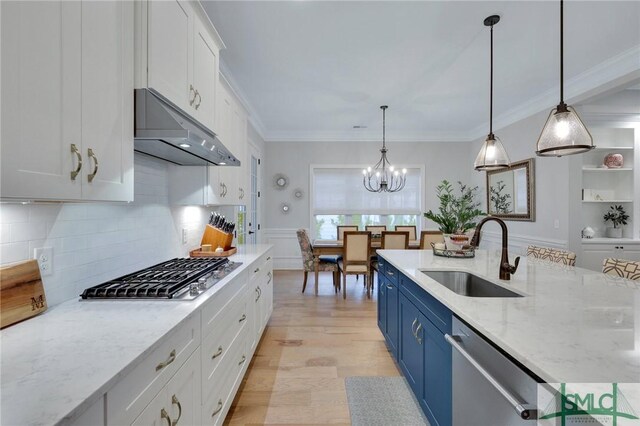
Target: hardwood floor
(310,345)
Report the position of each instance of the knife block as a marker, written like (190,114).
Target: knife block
(216,238)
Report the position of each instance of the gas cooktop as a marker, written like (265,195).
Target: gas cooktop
(175,279)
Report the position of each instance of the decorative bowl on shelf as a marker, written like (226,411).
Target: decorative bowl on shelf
(613,161)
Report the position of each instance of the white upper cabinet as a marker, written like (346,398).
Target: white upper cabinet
(67,80)
(182,50)
(169,41)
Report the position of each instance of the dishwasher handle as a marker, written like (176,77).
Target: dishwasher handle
(524,410)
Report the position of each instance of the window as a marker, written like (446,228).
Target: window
(339,198)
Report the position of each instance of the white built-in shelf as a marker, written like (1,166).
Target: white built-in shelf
(607,201)
(605,169)
(612,148)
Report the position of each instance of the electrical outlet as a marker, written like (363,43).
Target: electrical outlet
(44,256)
(556,224)
(185,235)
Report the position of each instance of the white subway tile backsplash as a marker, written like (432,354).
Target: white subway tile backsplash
(95,242)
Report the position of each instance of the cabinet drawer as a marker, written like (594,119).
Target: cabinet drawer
(220,342)
(219,397)
(133,393)
(388,271)
(435,311)
(217,302)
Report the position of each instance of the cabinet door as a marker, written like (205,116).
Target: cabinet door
(156,413)
(205,67)
(411,345)
(628,252)
(594,254)
(267,298)
(41,99)
(107,102)
(170,34)
(183,392)
(382,305)
(436,401)
(392,316)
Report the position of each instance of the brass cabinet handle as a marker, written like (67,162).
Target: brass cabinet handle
(174,400)
(164,415)
(218,409)
(413,324)
(270,275)
(192,90)
(258,296)
(76,151)
(172,357)
(389,286)
(242,318)
(90,154)
(244,358)
(390,273)
(418,338)
(199,99)
(224,189)
(217,354)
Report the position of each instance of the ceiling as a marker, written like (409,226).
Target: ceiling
(311,70)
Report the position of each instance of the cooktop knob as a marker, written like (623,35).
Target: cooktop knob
(193,289)
(202,283)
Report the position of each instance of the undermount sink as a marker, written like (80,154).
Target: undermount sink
(466,284)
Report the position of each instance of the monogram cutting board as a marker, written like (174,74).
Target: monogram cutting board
(21,292)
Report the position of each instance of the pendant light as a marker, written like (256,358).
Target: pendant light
(563,133)
(492,155)
(383,177)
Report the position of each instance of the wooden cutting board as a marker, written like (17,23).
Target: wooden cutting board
(21,292)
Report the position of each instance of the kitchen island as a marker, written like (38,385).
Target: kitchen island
(560,325)
(62,367)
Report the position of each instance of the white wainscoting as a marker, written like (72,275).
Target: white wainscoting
(518,243)
(286,249)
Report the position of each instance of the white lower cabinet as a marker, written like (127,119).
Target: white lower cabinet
(178,403)
(593,255)
(192,376)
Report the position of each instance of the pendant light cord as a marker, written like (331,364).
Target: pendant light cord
(384,146)
(491,89)
(561,51)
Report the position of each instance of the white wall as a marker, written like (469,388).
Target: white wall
(441,161)
(95,242)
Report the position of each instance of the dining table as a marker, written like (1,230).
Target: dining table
(336,248)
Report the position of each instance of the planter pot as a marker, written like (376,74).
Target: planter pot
(614,232)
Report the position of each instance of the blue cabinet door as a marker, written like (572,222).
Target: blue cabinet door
(382,305)
(411,353)
(436,399)
(392,316)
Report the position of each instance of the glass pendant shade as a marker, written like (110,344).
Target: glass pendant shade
(563,134)
(492,155)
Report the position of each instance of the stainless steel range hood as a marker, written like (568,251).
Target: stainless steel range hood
(165,131)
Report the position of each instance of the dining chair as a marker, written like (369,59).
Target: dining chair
(329,264)
(345,228)
(356,258)
(622,268)
(552,255)
(428,237)
(375,229)
(392,240)
(408,228)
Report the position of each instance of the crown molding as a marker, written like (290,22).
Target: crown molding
(352,136)
(253,118)
(624,66)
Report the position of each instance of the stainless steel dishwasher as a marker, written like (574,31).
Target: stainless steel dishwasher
(488,388)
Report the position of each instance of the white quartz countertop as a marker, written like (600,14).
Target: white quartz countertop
(572,326)
(55,365)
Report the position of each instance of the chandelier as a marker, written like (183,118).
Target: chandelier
(383,177)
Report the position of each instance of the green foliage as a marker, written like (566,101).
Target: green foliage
(457,213)
(501,203)
(616,215)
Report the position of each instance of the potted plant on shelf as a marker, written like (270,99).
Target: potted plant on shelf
(618,217)
(457,214)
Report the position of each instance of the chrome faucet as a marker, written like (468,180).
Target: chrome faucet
(505,268)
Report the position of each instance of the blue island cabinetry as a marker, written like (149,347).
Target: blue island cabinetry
(413,324)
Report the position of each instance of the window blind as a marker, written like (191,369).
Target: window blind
(340,191)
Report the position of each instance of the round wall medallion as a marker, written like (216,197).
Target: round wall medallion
(298,193)
(280,181)
(285,208)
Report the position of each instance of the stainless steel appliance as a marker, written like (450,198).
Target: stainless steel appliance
(488,388)
(175,279)
(165,131)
